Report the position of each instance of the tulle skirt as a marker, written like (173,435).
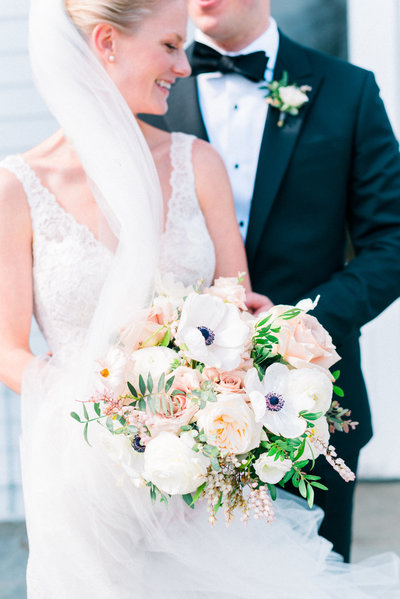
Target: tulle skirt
(92,533)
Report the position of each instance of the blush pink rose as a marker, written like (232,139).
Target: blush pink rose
(303,341)
(232,381)
(229,290)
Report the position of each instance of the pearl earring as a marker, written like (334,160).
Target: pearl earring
(111,58)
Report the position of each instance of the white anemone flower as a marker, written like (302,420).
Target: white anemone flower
(212,331)
(275,402)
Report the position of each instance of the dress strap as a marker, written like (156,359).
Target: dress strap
(27,177)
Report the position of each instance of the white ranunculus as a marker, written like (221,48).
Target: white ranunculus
(320,431)
(172,465)
(232,422)
(293,96)
(157,360)
(312,384)
(271,471)
(120,451)
(212,331)
(274,403)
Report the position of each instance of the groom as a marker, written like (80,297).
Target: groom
(331,171)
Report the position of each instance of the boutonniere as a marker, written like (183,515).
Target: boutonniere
(288,99)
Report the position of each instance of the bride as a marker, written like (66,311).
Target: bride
(87,220)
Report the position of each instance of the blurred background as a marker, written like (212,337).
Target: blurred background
(367,32)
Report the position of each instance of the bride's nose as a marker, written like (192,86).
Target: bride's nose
(182,67)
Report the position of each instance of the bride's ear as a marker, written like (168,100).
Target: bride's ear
(103,40)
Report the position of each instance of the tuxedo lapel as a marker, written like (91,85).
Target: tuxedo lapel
(278,143)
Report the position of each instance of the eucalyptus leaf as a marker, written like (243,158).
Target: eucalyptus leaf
(76,416)
(161,383)
(132,389)
(142,385)
(150,382)
(85,412)
(168,384)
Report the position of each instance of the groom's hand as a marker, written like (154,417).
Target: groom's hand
(257,303)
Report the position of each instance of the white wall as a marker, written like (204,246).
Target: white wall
(374,43)
(24,121)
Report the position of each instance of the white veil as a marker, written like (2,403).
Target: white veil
(114,154)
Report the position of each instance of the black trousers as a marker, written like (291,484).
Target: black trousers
(337,502)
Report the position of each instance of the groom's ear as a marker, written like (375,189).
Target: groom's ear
(103,41)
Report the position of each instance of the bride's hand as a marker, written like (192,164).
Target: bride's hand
(257,303)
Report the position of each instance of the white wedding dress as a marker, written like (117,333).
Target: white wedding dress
(92,533)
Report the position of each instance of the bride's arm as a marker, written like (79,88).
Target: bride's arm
(216,201)
(15,281)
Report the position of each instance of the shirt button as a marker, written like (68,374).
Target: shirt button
(236,166)
(236,107)
(241,224)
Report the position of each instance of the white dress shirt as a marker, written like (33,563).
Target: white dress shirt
(234,112)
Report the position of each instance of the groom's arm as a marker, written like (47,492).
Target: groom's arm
(371,281)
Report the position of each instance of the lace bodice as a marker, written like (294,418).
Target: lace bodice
(70,264)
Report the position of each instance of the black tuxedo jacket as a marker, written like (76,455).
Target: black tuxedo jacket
(333,169)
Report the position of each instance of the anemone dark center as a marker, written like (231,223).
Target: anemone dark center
(137,446)
(208,335)
(274,402)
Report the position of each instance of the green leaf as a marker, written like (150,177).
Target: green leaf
(142,385)
(164,405)
(168,384)
(132,389)
(76,416)
(263,322)
(85,433)
(153,494)
(161,383)
(199,491)
(166,339)
(151,402)
(302,488)
(319,486)
(110,424)
(215,464)
(310,496)
(142,405)
(97,409)
(218,504)
(187,427)
(338,391)
(188,499)
(336,374)
(149,383)
(287,477)
(272,491)
(85,412)
(301,464)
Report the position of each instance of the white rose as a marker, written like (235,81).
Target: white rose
(312,384)
(271,471)
(232,422)
(293,96)
(156,360)
(172,465)
(320,432)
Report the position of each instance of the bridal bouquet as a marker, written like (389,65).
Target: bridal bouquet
(206,401)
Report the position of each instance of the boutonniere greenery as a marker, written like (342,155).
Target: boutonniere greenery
(288,99)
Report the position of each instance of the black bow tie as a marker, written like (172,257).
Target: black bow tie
(207,60)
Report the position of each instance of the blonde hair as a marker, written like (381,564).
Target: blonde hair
(122,14)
